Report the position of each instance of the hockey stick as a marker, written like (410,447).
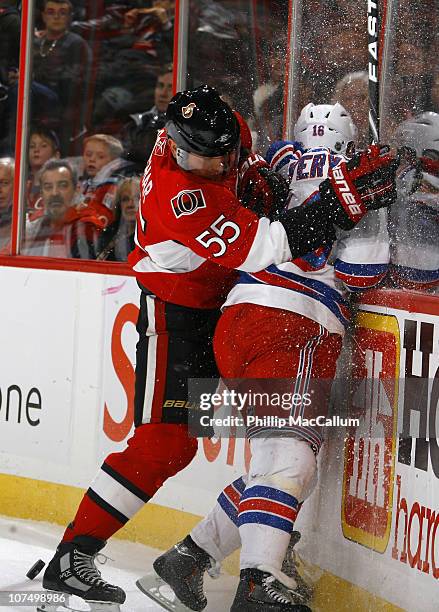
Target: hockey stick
(374,83)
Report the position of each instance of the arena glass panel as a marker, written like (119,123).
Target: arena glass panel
(329,50)
(410,120)
(10,24)
(240,47)
(101,80)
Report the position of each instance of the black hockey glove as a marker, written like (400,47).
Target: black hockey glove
(308,227)
(261,189)
(366,182)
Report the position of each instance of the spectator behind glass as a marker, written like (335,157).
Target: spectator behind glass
(118,239)
(43,145)
(352,93)
(414,216)
(138,44)
(7,167)
(60,231)
(268,99)
(61,62)
(103,169)
(9,35)
(413,77)
(9,53)
(140,133)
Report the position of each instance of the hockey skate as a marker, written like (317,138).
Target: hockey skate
(266,590)
(177,584)
(294,567)
(72,571)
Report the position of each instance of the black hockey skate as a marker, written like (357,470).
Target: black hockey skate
(72,571)
(294,568)
(182,567)
(261,591)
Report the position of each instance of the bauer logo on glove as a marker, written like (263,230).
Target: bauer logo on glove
(366,182)
(348,199)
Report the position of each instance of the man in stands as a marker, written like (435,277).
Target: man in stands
(193,233)
(140,133)
(59,230)
(62,62)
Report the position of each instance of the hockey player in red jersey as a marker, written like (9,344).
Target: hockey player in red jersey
(286,322)
(192,234)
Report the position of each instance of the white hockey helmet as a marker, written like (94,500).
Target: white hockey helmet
(420,133)
(325,125)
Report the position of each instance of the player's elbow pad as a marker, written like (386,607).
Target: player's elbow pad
(307,228)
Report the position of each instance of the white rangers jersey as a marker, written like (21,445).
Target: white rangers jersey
(315,285)
(415,229)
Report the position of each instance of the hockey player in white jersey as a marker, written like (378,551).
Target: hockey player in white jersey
(285,322)
(414,216)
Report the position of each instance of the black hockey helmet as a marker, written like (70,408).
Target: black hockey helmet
(200,122)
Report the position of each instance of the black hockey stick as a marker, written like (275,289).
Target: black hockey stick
(374,82)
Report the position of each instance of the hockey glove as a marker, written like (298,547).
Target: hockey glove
(261,189)
(307,227)
(366,182)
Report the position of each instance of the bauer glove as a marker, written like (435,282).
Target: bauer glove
(365,182)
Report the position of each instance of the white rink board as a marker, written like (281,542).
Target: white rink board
(71,335)
(58,330)
(378,563)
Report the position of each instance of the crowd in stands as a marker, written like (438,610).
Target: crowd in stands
(102,78)
(101,81)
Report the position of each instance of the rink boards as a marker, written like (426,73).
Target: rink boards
(66,400)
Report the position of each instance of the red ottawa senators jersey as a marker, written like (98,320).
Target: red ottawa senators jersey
(192,232)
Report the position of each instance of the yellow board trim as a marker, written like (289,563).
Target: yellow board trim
(161,527)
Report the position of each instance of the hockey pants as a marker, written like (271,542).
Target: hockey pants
(258,511)
(175,344)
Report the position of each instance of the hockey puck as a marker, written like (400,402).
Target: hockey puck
(35,569)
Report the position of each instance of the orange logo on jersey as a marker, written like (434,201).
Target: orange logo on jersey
(370,448)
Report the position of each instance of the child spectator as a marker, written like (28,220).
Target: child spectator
(103,168)
(43,145)
(7,166)
(118,238)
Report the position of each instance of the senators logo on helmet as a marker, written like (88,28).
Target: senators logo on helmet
(188,111)
(187,202)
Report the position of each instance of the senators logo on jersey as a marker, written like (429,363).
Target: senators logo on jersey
(187,202)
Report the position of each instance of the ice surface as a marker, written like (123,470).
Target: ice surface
(24,542)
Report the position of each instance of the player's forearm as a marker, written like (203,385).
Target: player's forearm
(297,232)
